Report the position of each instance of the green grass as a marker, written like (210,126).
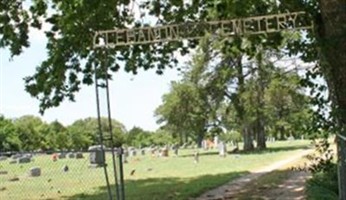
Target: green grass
(170,178)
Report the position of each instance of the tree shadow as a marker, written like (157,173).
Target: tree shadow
(275,149)
(255,151)
(280,184)
(163,188)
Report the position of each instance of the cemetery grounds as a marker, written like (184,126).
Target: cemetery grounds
(173,177)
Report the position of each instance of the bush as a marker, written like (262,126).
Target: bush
(324,181)
(323,185)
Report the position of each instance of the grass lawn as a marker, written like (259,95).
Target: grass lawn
(154,178)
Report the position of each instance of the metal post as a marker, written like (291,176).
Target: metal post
(101,135)
(111,128)
(121,173)
(341,145)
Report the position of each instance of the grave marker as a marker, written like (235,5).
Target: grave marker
(222,149)
(35,172)
(24,159)
(96,156)
(3,158)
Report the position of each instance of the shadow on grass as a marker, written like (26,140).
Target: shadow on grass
(164,188)
(256,151)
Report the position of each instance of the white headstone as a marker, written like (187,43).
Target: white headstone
(222,149)
(216,141)
(196,157)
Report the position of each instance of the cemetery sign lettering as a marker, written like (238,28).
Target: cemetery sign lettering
(195,30)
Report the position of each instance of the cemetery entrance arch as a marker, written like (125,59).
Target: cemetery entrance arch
(176,32)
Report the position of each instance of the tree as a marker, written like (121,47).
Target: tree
(75,21)
(332,40)
(29,129)
(184,111)
(287,106)
(8,136)
(138,137)
(85,132)
(56,136)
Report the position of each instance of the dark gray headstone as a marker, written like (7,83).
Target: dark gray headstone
(79,155)
(71,155)
(62,155)
(24,159)
(96,156)
(35,172)
(3,172)
(16,156)
(175,151)
(13,179)
(142,152)
(133,152)
(3,158)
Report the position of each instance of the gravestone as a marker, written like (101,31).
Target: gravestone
(125,155)
(16,156)
(71,155)
(29,155)
(13,161)
(133,152)
(3,172)
(3,158)
(62,155)
(184,146)
(291,138)
(164,152)
(142,152)
(13,179)
(196,157)
(153,150)
(24,159)
(216,141)
(175,149)
(96,156)
(35,172)
(79,155)
(222,149)
(54,157)
(205,144)
(65,168)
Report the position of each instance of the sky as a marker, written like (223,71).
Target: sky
(133,97)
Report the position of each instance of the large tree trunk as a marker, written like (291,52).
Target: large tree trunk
(261,138)
(282,133)
(247,137)
(180,138)
(239,107)
(260,132)
(332,37)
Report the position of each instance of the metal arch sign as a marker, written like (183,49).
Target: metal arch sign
(195,30)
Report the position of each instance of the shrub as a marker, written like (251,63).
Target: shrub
(324,181)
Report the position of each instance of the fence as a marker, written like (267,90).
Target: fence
(342,165)
(55,175)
